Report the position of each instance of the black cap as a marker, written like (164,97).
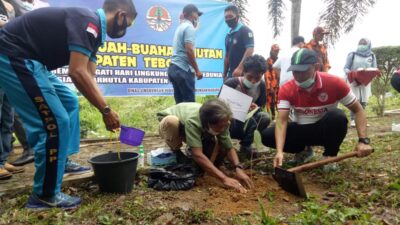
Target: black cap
(302,59)
(188,9)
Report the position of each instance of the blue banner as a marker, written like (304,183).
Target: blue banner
(137,64)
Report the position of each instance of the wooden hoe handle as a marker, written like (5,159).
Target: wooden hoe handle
(317,164)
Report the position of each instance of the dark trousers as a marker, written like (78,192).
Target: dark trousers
(183,84)
(328,132)
(208,142)
(246,136)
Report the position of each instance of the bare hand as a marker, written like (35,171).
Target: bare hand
(237,72)
(244,179)
(232,183)
(363,149)
(278,160)
(252,106)
(111,120)
(199,75)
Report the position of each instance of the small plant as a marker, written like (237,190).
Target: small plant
(265,219)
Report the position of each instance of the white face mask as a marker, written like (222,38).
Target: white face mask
(250,85)
(212,132)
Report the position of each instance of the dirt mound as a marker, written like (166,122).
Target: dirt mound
(210,194)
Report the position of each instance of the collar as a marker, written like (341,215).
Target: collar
(103,24)
(236,29)
(317,85)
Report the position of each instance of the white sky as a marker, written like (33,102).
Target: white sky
(380,25)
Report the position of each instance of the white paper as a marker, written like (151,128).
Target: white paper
(237,101)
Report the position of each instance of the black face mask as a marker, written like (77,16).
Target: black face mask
(232,23)
(118,31)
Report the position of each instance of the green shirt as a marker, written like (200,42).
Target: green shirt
(188,114)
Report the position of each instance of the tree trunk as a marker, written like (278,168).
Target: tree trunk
(295,17)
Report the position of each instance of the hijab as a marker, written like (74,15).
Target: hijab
(369,50)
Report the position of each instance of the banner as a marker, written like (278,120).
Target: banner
(137,64)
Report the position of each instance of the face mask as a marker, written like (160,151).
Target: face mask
(307,83)
(195,23)
(362,48)
(118,31)
(27,6)
(250,85)
(231,22)
(212,132)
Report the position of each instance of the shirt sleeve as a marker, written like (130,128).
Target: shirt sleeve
(345,95)
(232,82)
(277,64)
(248,38)
(283,99)
(349,61)
(189,35)
(226,45)
(225,140)
(193,135)
(262,99)
(82,36)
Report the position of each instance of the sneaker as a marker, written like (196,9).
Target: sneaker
(13,169)
(353,123)
(60,200)
(72,167)
(331,167)
(304,156)
(25,158)
(4,174)
(249,152)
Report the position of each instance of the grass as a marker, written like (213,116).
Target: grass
(365,191)
(139,112)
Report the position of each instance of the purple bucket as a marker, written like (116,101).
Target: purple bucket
(131,136)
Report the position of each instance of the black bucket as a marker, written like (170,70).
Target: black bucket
(114,175)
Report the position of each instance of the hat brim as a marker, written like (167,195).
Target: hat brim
(199,13)
(300,68)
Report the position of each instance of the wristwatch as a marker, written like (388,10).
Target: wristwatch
(364,140)
(106,110)
(239,166)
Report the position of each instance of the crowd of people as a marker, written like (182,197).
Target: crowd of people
(297,86)
(294,98)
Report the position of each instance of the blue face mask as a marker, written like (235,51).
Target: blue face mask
(362,48)
(307,83)
(250,85)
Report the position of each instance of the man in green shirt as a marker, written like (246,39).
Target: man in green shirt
(205,129)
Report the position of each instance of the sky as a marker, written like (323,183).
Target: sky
(378,25)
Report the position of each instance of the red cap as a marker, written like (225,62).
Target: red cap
(320,30)
(275,47)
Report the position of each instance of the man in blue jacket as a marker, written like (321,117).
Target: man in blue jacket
(30,47)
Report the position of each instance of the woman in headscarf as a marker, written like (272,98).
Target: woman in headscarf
(362,58)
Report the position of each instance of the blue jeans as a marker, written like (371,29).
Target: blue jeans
(183,83)
(50,114)
(6,125)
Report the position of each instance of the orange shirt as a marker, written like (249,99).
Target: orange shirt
(271,78)
(322,54)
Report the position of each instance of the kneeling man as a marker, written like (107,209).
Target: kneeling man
(205,129)
(316,121)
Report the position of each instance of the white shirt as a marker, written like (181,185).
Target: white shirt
(283,64)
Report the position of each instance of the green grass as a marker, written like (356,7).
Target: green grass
(139,112)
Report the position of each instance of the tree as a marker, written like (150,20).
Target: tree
(241,4)
(339,16)
(388,60)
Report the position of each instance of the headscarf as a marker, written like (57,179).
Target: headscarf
(365,53)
